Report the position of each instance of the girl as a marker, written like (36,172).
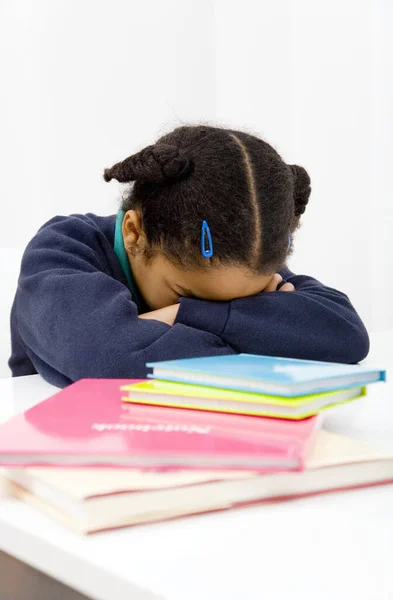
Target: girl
(192,265)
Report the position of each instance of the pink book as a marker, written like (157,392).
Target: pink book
(87,424)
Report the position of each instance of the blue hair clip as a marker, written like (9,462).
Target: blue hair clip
(206,249)
(289,241)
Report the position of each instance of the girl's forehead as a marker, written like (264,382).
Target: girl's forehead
(218,283)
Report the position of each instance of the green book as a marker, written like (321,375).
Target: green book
(180,395)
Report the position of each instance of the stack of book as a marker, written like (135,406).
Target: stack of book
(209,434)
(253,385)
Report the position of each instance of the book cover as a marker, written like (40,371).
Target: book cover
(87,424)
(196,397)
(266,374)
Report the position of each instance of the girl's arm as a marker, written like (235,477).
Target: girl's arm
(315,322)
(74,320)
(168,314)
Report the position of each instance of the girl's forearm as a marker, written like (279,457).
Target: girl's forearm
(164,315)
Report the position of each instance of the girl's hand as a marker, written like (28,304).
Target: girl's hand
(276,280)
(166,315)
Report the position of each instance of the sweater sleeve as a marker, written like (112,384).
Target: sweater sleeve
(77,321)
(315,322)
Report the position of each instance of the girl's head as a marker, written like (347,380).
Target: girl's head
(249,197)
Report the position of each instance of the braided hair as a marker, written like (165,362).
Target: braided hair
(251,199)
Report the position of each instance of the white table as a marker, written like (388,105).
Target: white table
(334,546)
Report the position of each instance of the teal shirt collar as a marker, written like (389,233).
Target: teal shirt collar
(121,254)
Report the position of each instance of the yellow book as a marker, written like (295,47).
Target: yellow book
(179,395)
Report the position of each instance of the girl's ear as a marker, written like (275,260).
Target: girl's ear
(133,234)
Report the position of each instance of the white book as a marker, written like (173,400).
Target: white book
(90,500)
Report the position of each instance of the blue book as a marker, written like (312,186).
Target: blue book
(285,377)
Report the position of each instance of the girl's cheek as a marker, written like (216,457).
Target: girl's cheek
(171,298)
(163,298)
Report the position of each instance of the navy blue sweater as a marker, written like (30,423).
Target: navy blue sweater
(74,315)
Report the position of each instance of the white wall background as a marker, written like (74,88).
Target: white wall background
(84,83)
(316,79)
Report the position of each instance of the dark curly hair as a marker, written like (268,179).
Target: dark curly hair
(251,199)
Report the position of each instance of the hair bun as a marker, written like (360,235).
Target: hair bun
(154,164)
(302,189)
